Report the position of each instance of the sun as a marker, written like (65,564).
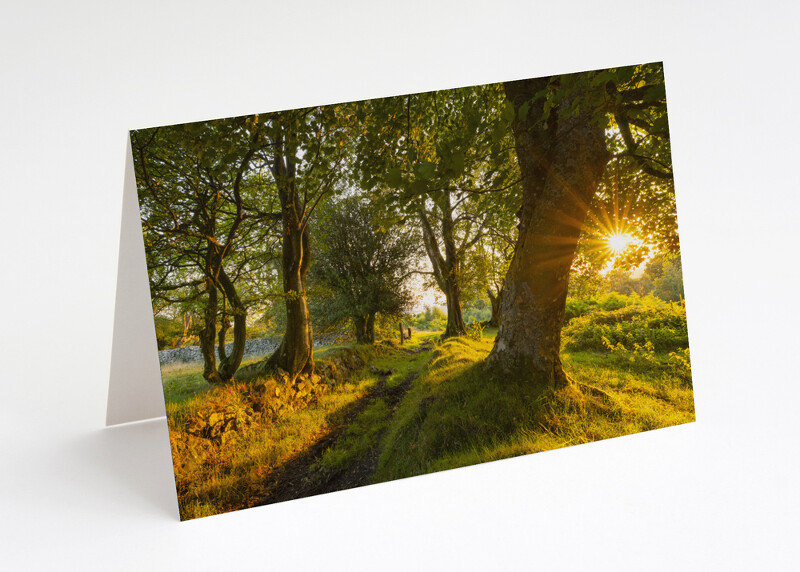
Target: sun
(617,242)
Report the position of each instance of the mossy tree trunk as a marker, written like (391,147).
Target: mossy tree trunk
(208,333)
(295,354)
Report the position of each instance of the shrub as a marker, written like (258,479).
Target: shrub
(432,319)
(577,307)
(613,301)
(475,329)
(661,325)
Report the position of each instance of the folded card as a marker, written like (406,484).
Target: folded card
(352,293)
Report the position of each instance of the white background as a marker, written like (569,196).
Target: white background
(719,494)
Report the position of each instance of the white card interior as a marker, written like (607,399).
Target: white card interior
(134,390)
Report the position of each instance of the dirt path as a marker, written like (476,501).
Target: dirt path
(296,479)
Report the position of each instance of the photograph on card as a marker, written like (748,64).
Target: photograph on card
(358,292)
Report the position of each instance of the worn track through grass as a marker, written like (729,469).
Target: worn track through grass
(297,478)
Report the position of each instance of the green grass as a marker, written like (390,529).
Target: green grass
(184,381)
(362,433)
(453,415)
(358,438)
(181,382)
(456,415)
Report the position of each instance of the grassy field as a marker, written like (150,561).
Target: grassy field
(392,412)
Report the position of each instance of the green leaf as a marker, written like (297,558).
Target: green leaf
(457,162)
(508,112)
(394,177)
(523,110)
(625,74)
(418,187)
(499,133)
(654,93)
(427,170)
(603,77)
(660,124)
(451,163)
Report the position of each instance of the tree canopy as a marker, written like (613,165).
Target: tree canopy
(365,268)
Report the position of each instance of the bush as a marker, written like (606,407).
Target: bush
(669,286)
(577,307)
(173,332)
(475,330)
(615,301)
(432,319)
(659,324)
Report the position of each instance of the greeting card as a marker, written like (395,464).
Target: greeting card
(352,293)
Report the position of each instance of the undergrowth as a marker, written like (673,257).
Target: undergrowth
(227,440)
(662,325)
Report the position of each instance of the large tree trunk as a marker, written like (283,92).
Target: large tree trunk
(296,352)
(560,166)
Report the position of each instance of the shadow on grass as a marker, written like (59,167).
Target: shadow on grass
(303,476)
(458,410)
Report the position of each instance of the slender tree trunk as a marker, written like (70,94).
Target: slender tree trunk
(187,324)
(497,307)
(455,319)
(360,327)
(560,168)
(208,334)
(224,326)
(231,362)
(370,329)
(445,268)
